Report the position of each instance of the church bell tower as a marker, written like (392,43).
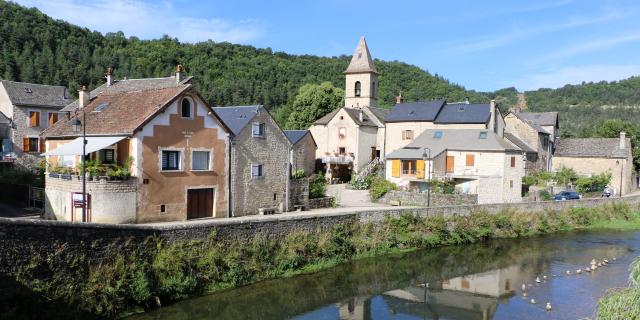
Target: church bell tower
(361,85)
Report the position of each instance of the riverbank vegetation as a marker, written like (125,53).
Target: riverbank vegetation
(143,276)
(623,303)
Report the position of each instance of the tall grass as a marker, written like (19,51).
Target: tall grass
(623,303)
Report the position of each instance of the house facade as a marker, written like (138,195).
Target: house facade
(27,110)
(304,151)
(351,137)
(260,154)
(532,137)
(476,161)
(158,130)
(592,156)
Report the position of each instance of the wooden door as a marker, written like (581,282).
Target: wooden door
(199,203)
(450,160)
(373,153)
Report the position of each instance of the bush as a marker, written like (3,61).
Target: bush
(298,174)
(380,186)
(445,187)
(361,184)
(317,186)
(545,195)
(596,183)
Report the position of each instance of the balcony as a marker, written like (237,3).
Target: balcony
(465,173)
(338,159)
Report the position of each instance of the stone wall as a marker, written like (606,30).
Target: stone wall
(407,198)
(21,239)
(304,155)
(319,203)
(298,192)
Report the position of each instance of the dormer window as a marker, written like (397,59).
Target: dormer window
(185,108)
(483,135)
(358,89)
(437,135)
(257,130)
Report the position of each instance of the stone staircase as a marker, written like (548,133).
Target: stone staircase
(370,167)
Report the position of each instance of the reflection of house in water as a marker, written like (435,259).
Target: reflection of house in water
(355,309)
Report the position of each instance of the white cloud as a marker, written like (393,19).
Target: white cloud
(574,75)
(147,21)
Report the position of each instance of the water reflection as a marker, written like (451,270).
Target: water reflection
(480,281)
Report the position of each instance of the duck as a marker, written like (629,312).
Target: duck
(599,264)
(614,259)
(538,280)
(587,269)
(524,294)
(593,261)
(579,271)
(548,307)
(544,277)
(524,287)
(568,272)
(533,301)
(606,260)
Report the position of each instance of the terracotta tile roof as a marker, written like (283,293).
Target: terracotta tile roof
(119,112)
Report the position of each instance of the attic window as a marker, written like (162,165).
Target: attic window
(437,135)
(101,107)
(27,90)
(483,135)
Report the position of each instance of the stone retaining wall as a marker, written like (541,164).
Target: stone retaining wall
(408,198)
(21,239)
(319,203)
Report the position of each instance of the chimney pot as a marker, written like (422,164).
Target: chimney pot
(83,97)
(399,98)
(623,138)
(179,73)
(109,76)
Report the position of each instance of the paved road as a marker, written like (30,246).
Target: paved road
(10,211)
(347,198)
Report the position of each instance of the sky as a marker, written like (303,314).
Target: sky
(482,45)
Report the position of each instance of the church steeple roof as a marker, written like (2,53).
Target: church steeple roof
(361,60)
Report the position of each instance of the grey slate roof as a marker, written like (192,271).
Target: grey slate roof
(415,111)
(4,119)
(30,94)
(236,117)
(130,85)
(519,143)
(464,113)
(452,139)
(540,118)
(355,115)
(380,113)
(295,136)
(361,60)
(592,148)
(531,123)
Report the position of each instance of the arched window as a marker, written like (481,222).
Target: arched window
(186,108)
(357,89)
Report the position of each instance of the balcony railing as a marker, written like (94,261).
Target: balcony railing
(7,157)
(340,159)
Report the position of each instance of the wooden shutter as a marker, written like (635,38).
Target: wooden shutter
(42,145)
(395,168)
(450,161)
(53,118)
(420,169)
(25,144)
(513,162)
(470,160)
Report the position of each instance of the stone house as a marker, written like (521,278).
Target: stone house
(304,150)
(592,156)
(352,137)
(260,153)
(408,120)
(175,147)
(547,120)
(531,137)
(29,109)
(476,161)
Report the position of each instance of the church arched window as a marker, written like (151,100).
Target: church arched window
(357,89)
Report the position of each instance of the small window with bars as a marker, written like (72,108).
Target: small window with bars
(200,160)
(107,156)
(170,160)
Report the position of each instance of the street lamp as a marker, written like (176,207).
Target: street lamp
(426,156)
(77,124)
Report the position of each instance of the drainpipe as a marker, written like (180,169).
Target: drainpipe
(288,181)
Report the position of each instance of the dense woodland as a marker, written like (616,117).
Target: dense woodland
(36,48)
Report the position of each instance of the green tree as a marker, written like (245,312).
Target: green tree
(312,102)
(611,128)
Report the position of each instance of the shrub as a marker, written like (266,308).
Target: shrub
(545,195)
(298,174)
(380,186)
(362,183)
(595,183)
(317,186)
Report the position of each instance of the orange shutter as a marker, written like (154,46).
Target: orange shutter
(470,160)
(53,118)
(25,144)
(395,168)
(449,164)
(37,119)
(420,169)
(513,162)
(32,119)
(42,146)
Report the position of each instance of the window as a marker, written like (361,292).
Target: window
(200,160)
(513,162)
(358,89)
(257,171)
(437,135)
(101,107)
(483,135)
(408,167)
(257,130)
(107,156)
(341,117)
(53,118)
(34,118)
(407,134)
(163,208)
(170,160)
(470,160)
(185,108)
(511,183)
(373,89)
(342,151)
(32,144)
(342,133)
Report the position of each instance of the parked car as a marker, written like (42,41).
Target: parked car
(567,195)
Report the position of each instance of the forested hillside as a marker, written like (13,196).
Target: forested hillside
(36,48)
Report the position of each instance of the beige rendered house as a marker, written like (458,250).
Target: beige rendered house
(532,138)
(477,161)
(352,137)
(591,156)
(162,132)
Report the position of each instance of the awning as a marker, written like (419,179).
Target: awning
(74,148)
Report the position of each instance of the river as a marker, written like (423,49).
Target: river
(479,281)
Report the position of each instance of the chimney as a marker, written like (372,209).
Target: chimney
(492,116)
(361,116)
(179,73)
(83,97)
(623,140)
(399,98)
(109,76)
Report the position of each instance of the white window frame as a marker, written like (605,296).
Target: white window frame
(251,170)
(192,109)
(39,117)
(210,165)
(180,159)
(264,129)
